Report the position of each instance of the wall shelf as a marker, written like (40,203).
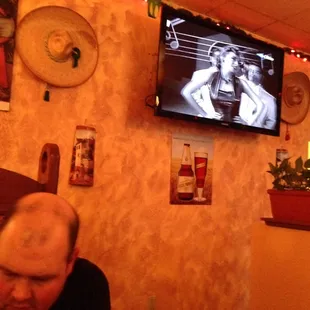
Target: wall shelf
(292,225)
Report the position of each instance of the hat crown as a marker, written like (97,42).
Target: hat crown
(59,45)
(294,95)
(65,48)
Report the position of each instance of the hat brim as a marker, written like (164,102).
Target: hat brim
(31,38)
(295,114)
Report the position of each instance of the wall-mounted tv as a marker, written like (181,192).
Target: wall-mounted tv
(212,74)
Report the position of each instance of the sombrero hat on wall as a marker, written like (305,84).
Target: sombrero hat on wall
(295,97)
(58,45)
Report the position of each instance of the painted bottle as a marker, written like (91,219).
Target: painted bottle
(281,154)
(185,185)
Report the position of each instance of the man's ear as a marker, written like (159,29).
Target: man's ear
(72,260)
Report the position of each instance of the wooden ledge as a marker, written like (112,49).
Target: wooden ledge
(285,224)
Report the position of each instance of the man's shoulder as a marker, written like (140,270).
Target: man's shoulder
(85,271)
(83,266)
(266,95)
(86,288)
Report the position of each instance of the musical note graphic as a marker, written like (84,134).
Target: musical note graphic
(175,43)
(190,46)
(269,57)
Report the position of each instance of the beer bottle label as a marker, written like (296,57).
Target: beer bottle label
(185,184)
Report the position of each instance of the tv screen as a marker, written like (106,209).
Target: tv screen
(212,74)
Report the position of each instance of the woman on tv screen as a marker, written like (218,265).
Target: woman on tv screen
(218,91)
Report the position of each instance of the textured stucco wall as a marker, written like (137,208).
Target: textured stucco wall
(189,257)
(279,269)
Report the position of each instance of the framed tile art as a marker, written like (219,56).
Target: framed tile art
(8,14)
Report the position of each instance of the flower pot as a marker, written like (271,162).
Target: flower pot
(290,205)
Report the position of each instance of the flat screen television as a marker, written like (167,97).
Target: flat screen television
(212,74)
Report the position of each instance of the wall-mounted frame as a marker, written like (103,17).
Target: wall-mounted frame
(191,170)
(8,14)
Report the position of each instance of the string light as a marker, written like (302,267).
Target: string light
(303,56)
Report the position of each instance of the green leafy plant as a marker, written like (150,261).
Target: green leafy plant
(287,177)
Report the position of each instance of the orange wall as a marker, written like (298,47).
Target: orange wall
(277,288)
(189,257)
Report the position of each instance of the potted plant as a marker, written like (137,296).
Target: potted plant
(290,196)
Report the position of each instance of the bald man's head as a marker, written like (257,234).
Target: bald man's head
(37,251)
(37,219)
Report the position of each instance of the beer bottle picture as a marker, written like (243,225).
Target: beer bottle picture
(191,168)
(185,184)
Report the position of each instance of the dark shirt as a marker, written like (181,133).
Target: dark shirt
(86,288)
(225,103)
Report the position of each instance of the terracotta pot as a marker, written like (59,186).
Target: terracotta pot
(292,206)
